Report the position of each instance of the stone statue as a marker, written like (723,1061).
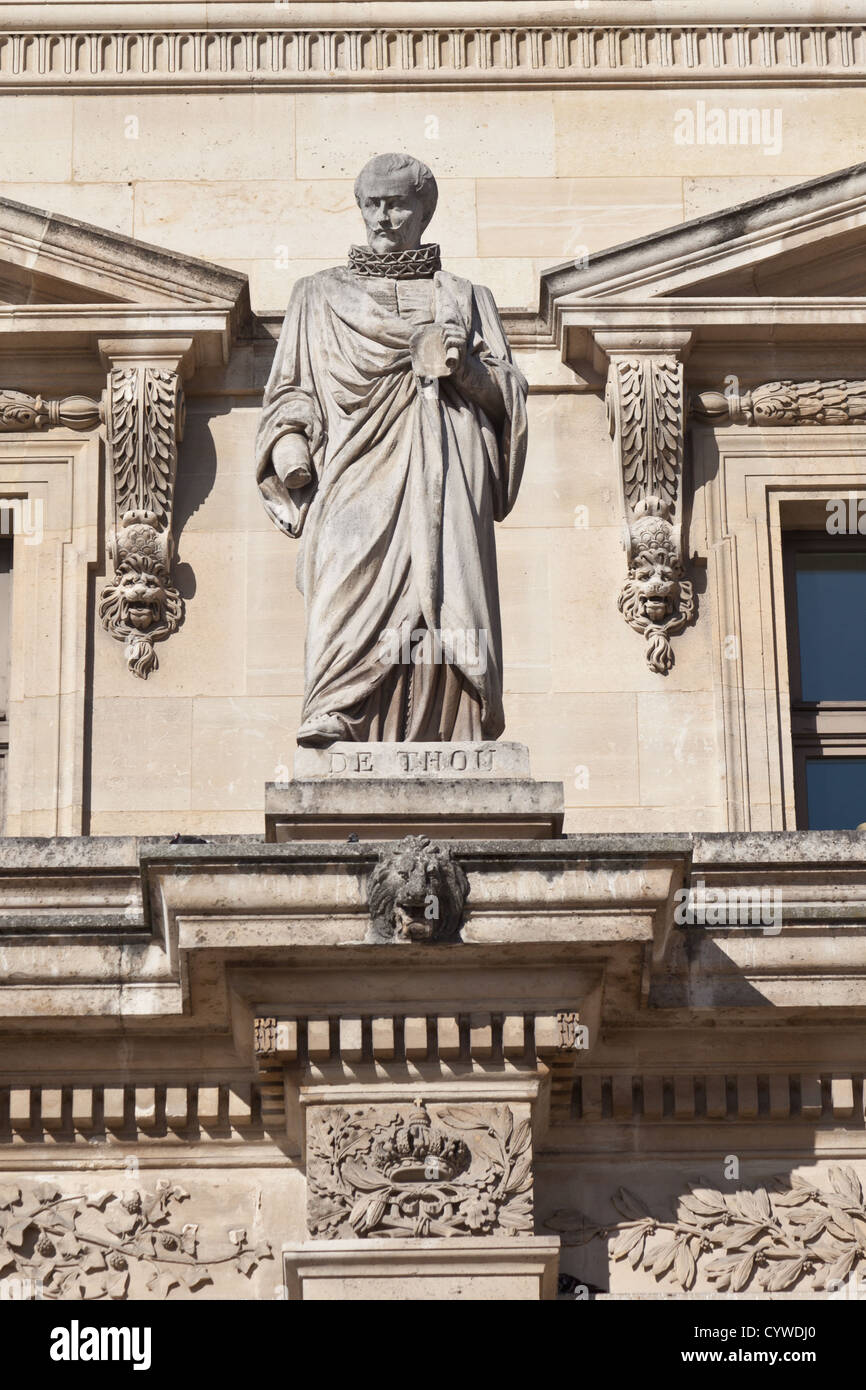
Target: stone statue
(393,434)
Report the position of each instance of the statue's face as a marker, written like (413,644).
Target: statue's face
(392,211)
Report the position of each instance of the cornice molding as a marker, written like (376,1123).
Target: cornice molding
(422,54)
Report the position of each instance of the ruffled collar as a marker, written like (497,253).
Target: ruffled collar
(417,264)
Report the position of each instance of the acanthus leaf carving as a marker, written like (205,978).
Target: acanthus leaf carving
(140,605)
(646,413)
(386,1171)
(770,1238)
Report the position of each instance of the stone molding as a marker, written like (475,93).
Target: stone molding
(647,411)
(388,1268)
(512,55)
(142,410)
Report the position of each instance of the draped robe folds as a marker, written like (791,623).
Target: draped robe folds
(397,521)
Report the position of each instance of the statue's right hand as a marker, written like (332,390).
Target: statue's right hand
(291,459)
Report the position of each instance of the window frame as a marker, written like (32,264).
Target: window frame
(819,728)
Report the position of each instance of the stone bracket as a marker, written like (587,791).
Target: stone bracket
(144,417)
(646,405)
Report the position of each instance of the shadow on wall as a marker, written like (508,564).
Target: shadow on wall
(772,1228)
(196,475)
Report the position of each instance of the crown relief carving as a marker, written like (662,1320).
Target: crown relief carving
(392,1171)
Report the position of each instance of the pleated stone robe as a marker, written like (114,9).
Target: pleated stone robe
(397,522)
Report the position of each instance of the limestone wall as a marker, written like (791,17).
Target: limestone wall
(556,162)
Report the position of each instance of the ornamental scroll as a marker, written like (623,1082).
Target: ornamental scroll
(788,403)
(140,605)
(646,415)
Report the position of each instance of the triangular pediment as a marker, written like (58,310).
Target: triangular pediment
(806,241)
(59,260)
(69,285)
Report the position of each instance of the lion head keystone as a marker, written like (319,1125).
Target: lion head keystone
(416,893)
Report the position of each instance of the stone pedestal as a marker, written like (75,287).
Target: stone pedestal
(384,791)
(480,1268)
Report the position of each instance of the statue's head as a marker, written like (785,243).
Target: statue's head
(397,196)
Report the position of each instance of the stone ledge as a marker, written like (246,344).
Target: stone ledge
(481,1268)
(380,808)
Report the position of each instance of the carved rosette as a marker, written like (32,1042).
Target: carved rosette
(646,415)
(140,605)
(402,1172)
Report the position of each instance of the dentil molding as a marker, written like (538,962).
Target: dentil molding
(274,50)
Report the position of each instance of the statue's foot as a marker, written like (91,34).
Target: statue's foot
(321,731)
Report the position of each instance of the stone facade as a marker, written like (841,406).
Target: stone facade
(249,1054)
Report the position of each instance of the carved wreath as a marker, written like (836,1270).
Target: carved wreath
(770,1238)
(353,1191)
(111,1244)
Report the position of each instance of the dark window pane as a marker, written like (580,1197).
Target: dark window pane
(836,793)
(831,612)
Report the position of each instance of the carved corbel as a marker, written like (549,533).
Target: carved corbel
(144,415)
(646,416)
(787,403)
